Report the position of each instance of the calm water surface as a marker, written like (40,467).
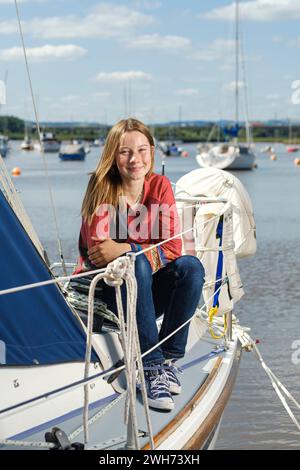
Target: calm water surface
(254,417)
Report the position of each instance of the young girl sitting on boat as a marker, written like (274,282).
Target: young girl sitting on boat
(128,208)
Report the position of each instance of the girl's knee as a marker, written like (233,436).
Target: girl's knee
(190,265)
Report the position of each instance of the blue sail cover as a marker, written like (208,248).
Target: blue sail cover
(232,132)
(36,325)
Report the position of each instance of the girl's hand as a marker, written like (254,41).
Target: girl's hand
(106,250)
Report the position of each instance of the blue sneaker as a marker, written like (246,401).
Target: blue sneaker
(157,386)
(171,370)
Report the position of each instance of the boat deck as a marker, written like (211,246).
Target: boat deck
(111,425)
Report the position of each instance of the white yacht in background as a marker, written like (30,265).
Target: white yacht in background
(48,143)
(230,155)
(27,143)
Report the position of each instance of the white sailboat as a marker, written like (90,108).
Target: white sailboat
(48,143)
(291,147)
(63,374)
(68,380)
(231,155)
(26,143)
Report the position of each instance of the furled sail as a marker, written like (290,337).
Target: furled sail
(37,326)
(223,231)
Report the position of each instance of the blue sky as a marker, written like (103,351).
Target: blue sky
(154,59)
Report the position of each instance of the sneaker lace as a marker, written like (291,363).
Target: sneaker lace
(158,380)
(170,366)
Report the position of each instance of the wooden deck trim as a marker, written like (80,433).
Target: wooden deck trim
(187,410)
(197,441)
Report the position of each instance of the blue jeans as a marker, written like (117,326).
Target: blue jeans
(173,291)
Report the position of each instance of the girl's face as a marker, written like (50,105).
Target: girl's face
(134,157)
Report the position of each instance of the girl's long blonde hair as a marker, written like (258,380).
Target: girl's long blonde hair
(105,184)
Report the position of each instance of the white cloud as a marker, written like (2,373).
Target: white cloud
(277,39)
(147,4)
(232,85)
(217,50)
(295,42)
(273,97)
(122,76)
(101,94)
(71,98)
(43,53)
(156,41)
(188,92)
(259,10)
(104,21)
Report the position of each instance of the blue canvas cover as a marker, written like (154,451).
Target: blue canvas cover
(232,131)
(36,325)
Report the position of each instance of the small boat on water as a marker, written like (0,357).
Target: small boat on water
(267,149)
(292,149)
(170,149)
(27,143)
(98,142)
(4,148)
(48,143)
(72,151)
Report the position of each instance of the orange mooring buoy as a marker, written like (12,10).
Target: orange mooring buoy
(297,161)
(273,157)
(185,153)
(16,171)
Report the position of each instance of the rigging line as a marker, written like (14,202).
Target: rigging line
(246,93)
(57,280)
(103,374)
(40,140)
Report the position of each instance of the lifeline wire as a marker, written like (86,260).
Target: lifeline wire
(39,134)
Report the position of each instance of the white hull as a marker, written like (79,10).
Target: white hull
(198,429)
(243,160)
(47,147)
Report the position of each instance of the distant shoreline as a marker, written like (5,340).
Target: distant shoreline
(14,128)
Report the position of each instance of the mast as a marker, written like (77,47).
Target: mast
(237,62)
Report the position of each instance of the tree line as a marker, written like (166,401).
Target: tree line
(15,128)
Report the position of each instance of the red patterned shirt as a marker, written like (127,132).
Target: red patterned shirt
(145,224)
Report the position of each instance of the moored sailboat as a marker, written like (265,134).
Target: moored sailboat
(47,367)
(231,154)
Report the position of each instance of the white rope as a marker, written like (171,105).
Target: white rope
(97,416)
(61,279)
(89,351)
(119,269)
(131,285)
(277,385)
(40,445)
(57,280)
(86,273)
(164,241)
(197,312)
(60,251)
(249,344)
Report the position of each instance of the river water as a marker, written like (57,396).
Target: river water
(254,417)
